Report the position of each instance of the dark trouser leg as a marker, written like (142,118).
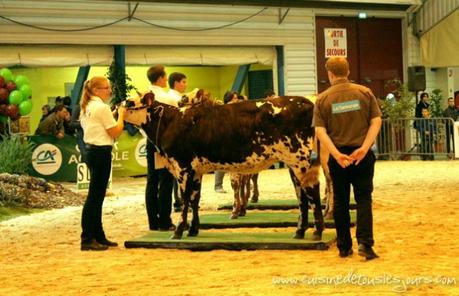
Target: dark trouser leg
(362,182)
(151,190)
(177,200)
(341,188)
(166,181)
(99,163)
(219,179)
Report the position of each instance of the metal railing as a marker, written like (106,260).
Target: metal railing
(416,138)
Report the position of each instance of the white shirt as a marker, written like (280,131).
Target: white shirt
(95,122)
(162,96)
(175,94)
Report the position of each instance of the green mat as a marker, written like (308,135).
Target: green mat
(260,219)
(209,240)
(275,204)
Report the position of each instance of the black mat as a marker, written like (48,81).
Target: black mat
(260,219)
(276,204)
(210,240)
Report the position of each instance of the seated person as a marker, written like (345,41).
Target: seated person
(53,124)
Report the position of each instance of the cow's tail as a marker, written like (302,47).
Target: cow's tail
(311,178)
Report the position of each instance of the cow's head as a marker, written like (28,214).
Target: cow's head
(194,97)
(136,108)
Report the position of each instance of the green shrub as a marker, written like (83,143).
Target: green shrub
(436,99)
(402,103)
(15,154)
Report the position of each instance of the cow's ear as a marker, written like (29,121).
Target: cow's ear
(148,99)
(200,94)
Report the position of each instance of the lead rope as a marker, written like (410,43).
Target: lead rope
(160,115)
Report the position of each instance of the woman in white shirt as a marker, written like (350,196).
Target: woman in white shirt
(100,129)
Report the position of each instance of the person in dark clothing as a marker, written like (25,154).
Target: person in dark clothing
(428,132)
(347,120)
(79,134)
(423,104)
(450,112)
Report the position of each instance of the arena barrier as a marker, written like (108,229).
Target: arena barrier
(416,138)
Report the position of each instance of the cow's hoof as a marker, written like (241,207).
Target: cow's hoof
(177,236)
(234,216)
(299,234)
(317,235)
(193,232)
(242,213)
(254,199)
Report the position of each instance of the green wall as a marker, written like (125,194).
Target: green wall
(50,81)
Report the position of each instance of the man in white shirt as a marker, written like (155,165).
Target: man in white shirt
(158,193)
(177,87)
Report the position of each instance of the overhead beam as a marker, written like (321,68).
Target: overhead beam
(324,4)
(241,75)
(82,76)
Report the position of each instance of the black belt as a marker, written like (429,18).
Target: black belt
(98,147)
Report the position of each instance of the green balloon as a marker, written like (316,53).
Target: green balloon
(3,119)
(25,107)
(7,74)
(15,97)
(21,80)
(26,91)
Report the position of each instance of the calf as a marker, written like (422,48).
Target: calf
(244,137)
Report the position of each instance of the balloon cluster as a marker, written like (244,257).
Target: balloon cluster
(15,96)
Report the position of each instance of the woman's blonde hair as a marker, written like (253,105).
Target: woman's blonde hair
(88,89)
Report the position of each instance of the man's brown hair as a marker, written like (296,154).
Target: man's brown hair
(338,66)
(155,72)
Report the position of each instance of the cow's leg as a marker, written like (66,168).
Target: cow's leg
(329,196)
(303,205)
(244,193)
(236,185)
(255,195)
(313,195)
(186,183)
(195,197)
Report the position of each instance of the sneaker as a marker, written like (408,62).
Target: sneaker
(220,190)
(367,252)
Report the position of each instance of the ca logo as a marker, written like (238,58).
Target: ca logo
(46,159)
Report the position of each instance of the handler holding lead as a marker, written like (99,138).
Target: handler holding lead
(347,120)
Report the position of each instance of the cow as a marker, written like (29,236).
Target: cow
(245,137)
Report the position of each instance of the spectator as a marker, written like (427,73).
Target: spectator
(53,125)
(428,132)
(45,110)
(450,112)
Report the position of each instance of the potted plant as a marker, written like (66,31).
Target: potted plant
(121,83)
(397,108)
(436,111)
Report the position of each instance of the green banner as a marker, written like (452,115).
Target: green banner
(56,160)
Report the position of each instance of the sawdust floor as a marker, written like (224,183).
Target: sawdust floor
(416,225)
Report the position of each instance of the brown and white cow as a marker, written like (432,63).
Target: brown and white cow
(245,137)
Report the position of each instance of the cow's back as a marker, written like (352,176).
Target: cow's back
(232,133)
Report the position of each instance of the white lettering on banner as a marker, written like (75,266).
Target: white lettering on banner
(83,177)
(335,42)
